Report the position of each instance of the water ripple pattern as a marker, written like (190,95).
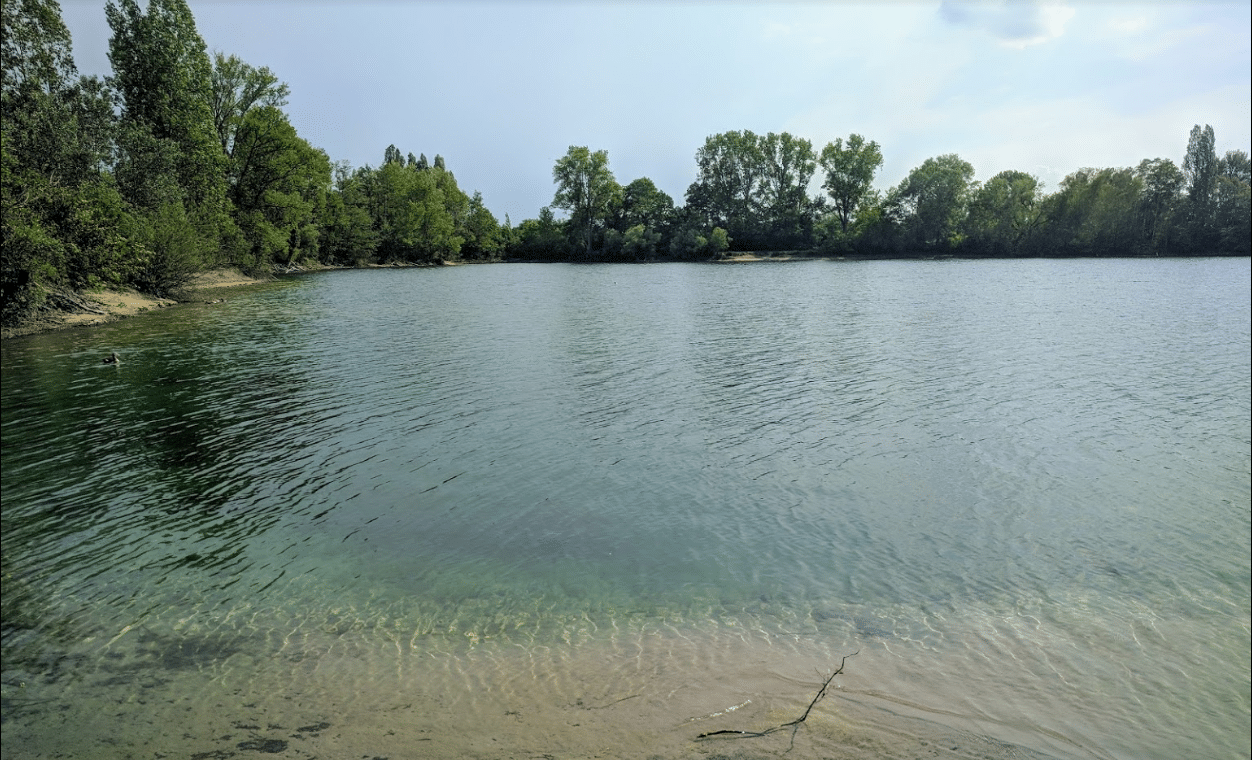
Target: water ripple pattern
(1035,474)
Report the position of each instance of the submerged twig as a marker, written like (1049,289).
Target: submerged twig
(793,725)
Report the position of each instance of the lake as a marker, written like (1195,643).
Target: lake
(541,510)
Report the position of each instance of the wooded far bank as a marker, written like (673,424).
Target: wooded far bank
(182,161)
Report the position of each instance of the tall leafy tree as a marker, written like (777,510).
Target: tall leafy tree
(729,173)
(483,237)
(348,234)
(787,166)
(35,48)
(278,186)
(850,168)
(163,72)
(237,89)
(1234,203)
(1200,168)
(931,202)
(586,188)
(1158,203)
(63,223)
(1001,213)
(641,202)
(1096,213)
(409,211)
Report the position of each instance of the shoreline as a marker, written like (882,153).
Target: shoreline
(94,308)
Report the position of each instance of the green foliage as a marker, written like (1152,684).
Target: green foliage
(1095,213)
(541,239)
(413,221)
(348,234)
(787,165)
(691,243)
(930,204)
(162,70)
(850,171)
(1159,204)
(729,173)
(278,186)
(756,186)
(35,48)
(585,188)
(641,202)
(484,239)
(237,89)
(173,250)
(1002,212)
(1234,216)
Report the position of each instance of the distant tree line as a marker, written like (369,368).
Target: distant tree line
(752,192)
(181,161)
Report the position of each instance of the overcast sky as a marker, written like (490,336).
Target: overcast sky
(501,90)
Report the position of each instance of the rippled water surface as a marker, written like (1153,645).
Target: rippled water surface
(577,511)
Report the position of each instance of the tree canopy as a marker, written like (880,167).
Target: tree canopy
(585,187)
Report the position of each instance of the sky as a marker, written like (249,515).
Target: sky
(502,89)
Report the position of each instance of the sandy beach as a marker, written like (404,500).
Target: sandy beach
(111,304)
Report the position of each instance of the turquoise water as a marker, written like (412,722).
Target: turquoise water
(588,509)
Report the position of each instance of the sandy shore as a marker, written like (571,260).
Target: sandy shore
(109,305)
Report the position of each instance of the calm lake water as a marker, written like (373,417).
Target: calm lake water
(595,511)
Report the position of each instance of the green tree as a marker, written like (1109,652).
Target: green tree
(730,170)
(408,209)
(1200,169)
(162,70)
(850,170)
(456,205)
(278,188)
(641,202)
(1095,213)
(484,240)
(542,239)
(586,189)
(930,203)
(1235,165)
(63,223)
(1159,200)
(787,166)
(691,243)
(1234,204)
(237,89)
(1002,212)
(348,234)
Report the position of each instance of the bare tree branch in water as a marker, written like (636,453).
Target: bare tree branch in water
(793,725)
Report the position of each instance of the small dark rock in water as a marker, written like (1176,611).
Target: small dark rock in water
(272,746)
(313,728)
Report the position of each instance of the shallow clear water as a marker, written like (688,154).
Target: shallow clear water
(585,510)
